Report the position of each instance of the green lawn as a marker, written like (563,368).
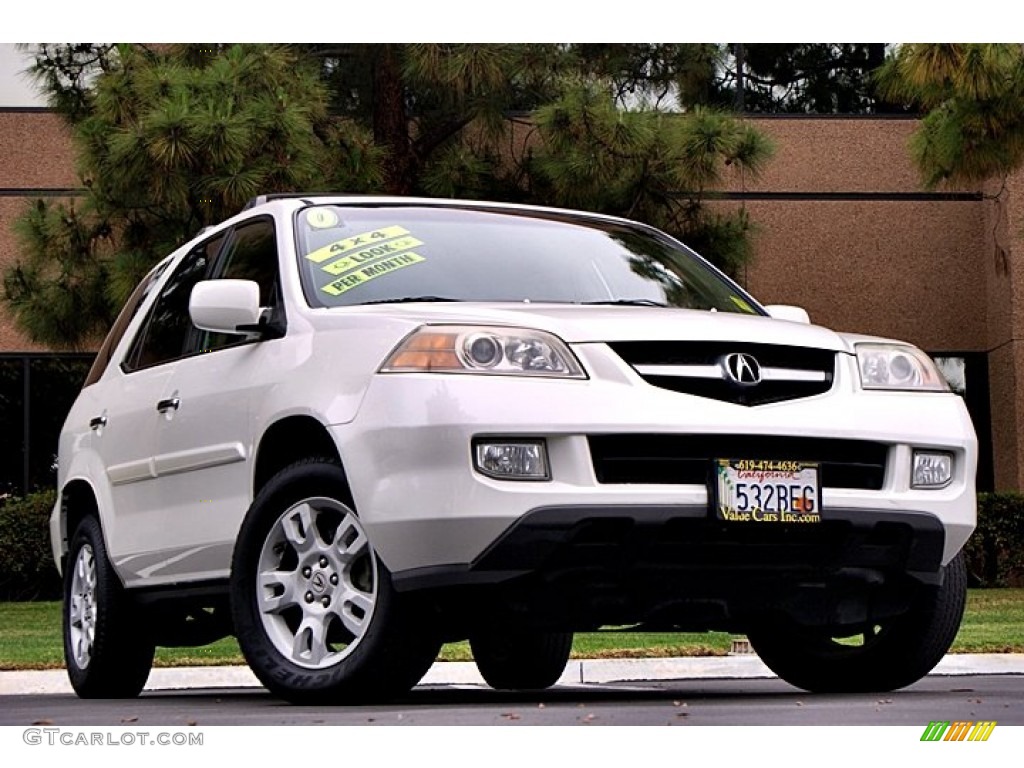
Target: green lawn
(30,637)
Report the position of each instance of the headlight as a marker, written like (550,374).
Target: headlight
(898,366)
(473,349)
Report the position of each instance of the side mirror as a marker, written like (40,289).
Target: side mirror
(788,312)
(225,306)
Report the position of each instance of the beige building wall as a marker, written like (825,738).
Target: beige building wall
(36,159)
(1004,271)
(906,270)
(844,229)
(837,154)
(36,151)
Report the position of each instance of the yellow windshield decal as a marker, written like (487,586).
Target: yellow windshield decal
(363,240)
(364,255)
(742,304)
(371,272)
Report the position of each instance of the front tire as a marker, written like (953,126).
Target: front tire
(891,655)
(106,648)
(521,660)
(315,612)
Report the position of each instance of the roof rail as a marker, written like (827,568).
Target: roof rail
(261,199)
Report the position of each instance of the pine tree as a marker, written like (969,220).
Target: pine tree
(168,140)
(974,98)
(173,138)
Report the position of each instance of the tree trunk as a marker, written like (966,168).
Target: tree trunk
(390,120)
(740,102)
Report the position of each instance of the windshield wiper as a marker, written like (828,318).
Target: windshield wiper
(405,300)
(626,303)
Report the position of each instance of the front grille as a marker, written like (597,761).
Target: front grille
(801,371)
(687,459)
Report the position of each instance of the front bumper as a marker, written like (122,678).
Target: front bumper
(671,568)
(409,460)
(654,543)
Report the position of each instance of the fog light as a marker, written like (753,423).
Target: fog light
(932,470)
(506,460)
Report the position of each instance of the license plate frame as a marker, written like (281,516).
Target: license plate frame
(756,491)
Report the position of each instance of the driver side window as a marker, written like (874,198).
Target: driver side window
(250,254)
(165,334)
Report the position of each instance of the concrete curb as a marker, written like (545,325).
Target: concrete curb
(459,673)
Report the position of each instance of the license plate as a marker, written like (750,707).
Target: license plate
(767,491)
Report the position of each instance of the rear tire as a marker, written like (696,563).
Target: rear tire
(107,650)
(521,660)
(893,654)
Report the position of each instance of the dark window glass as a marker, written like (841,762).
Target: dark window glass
(12,423)
(167,330)
(252,255)
(54,386)
(36,393)
(124,319)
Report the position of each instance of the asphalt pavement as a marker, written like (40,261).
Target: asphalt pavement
(455,673)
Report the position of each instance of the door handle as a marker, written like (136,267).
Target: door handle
(170,404)
(97,421)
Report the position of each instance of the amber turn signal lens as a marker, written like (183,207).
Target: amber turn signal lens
(426,351)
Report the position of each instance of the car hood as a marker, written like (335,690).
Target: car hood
(579,324)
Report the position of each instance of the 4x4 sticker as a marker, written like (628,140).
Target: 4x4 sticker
(371,272)
(364,255)
(362,240)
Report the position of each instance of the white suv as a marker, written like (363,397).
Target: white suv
(349,429)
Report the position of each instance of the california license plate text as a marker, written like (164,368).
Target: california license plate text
(761,491)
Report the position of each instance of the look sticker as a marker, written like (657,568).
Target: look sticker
(371,272)
(356,258)
(321,218)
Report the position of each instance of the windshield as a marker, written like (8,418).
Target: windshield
(373,254)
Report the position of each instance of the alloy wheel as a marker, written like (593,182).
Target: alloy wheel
(317,583)
(82,606)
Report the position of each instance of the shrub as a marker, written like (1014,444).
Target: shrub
(995,553)
(27,571)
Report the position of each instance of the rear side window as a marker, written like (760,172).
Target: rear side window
(120,325)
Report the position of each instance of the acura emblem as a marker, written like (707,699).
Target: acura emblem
(742,369)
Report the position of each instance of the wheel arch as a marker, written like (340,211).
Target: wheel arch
(77,501)
(289,440)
